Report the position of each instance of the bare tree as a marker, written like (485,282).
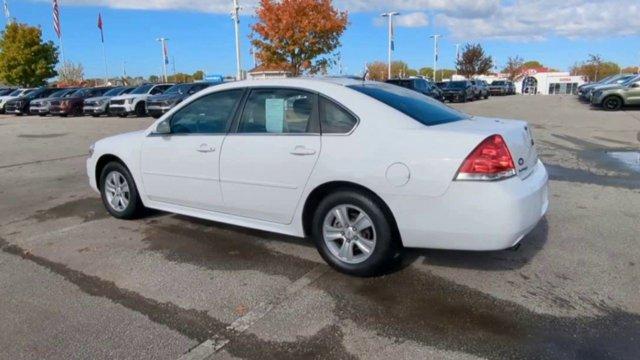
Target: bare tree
(513,67)
(70,74)
(596,61)
(474,61)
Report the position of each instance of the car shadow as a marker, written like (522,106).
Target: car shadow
(503,260)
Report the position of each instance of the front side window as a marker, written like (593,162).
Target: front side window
(209,114)
(334,119)
(421,108)
(277,111)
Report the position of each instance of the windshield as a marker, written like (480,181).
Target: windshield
(142,89)
(114,91)
(178,89)
(421,108)
(59,93)
(631,80)
(456,84)
(499,83)
(16,93)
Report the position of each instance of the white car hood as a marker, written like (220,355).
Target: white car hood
(129,96)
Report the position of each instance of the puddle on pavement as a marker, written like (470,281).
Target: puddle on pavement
(629,159)
(88,209)
(40,136)
(218,248)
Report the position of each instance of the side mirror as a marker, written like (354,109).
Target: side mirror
(164,127)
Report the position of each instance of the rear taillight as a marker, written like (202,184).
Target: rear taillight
(491,160)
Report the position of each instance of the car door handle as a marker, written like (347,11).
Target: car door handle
(204,148)
(302,151)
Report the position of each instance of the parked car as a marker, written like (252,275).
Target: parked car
(481,89)
(41,106)
(585,91)
(158,105)
(20,105)
(500,87)
(404,170)
(99,105)
(135,101)
(73,102)
(459,91)
(13,95)
(615,97)
(420,85)
(6,91)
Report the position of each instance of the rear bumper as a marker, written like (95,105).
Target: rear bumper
(455,97)
(471,215)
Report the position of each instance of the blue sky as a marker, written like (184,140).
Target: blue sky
(202,37)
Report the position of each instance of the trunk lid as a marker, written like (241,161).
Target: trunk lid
(516,134)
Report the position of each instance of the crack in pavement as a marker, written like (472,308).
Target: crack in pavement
(42,161)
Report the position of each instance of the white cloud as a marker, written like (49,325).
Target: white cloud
(415,19)
(538,20)
(466,19)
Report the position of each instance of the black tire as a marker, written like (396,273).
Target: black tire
(141,110)
(134,208)
(95,115)
(386,245)
(464,99)
(612,103)
(486,96)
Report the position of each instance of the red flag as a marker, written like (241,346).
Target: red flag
(56,19)
(100,26)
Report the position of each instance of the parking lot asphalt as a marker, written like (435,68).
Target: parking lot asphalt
(78,284)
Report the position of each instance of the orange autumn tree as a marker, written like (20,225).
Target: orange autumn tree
(297,35)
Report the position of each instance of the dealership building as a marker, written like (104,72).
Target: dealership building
(547,82)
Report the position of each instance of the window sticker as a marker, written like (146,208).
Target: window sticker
(274,116)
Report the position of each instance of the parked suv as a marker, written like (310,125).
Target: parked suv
(20,105)
(158,105)
(585,91)
(420,85)
(459,91)
(99,105)
(135,102)
(614,98)
(41,106)
(500,87)
(6,91)
(481,89)
(72,104)
(12,95)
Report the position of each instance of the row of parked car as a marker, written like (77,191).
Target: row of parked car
(142,100)
(612,93)
(457,91)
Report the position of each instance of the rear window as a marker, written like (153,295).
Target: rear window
(421,108)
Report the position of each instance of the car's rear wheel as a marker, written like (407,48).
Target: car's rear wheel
(119,193)
(612,103)
(353,233)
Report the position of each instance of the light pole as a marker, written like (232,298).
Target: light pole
(457,57)
(390,16)
(165,58)
(235,15)
(435,55)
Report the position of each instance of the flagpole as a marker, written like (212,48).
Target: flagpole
(106,66)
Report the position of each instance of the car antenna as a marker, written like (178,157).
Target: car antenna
(364,76)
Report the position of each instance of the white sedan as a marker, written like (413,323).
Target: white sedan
(362,168)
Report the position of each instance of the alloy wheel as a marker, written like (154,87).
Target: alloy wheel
(349,234)
(117,191)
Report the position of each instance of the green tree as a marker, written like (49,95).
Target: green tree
(532,64)
(154,79)
(198,75)
(474,61)
(26,60)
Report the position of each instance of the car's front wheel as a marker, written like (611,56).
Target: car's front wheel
(612,103)
(353,233)
(119,192)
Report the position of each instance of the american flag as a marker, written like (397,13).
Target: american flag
(100,26)
(56,19)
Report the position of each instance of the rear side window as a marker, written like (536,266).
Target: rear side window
(334,119)
(277,111)
(421,108)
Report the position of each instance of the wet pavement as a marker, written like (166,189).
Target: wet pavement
(76,283)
